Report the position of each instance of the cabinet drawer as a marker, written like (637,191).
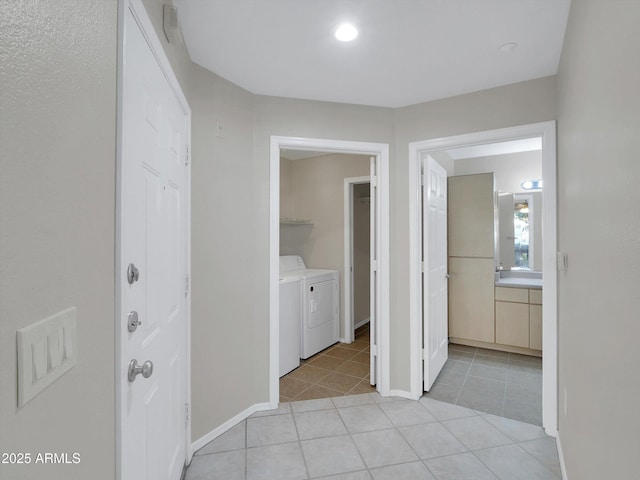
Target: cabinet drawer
(505,294)
(512,324)
(535,327)
(535,296)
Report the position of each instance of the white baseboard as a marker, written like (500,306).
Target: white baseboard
(232,422)
(361,323)
(403,394)
(563,469)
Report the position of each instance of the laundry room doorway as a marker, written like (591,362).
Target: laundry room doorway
(309,235)
(357,248)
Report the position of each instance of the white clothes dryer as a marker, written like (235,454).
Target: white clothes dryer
(320,321)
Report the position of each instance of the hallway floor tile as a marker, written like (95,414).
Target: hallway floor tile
(368,437)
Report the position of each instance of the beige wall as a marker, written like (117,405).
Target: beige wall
(317,194)
(57,220)
(510,169)
(598,172)
(286,207)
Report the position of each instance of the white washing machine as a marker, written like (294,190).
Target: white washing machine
(290,317)
(320,319)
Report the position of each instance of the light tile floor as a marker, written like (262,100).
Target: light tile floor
(501,383)
(368,437)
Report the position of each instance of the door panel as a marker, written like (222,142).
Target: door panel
(154,185)
(373,283)
(434,197)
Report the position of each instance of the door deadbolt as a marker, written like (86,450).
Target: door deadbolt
(146,369)
(132,321)
(132,273)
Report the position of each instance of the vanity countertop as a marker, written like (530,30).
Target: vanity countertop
(519,282)
(519,279)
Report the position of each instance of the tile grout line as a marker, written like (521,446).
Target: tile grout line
(304,458)
(466,377)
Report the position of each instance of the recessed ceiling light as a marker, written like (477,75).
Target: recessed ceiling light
(346,32)
(508,47)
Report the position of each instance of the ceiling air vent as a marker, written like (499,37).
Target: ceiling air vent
(170,24)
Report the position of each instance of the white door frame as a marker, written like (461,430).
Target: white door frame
(547,131)
(348,255)
(379,150)
(146,27)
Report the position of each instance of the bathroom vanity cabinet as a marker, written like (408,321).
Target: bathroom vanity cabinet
(518,315)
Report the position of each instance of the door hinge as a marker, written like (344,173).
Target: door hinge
(422,179)
(187,159)
(424,354)
(187,413)
(374,350)
(373,182)
(374,265)
(187,285)
(422,267)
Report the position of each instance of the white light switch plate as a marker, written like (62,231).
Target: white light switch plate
(46,351)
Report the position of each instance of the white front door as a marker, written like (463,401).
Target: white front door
(154,189)
(435,277)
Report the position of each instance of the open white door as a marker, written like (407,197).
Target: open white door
(373,283)
(153,267)
(435,277)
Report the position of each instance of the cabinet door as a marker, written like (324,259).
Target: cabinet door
(471,299)
(471,207)
(512,324)
(535,327)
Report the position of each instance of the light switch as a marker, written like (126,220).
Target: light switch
(46,351)
(55,345)
(39,359)
(69,340)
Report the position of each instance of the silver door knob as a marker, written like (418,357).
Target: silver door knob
(132,273)
(132,321)
(446,275)
(146,369)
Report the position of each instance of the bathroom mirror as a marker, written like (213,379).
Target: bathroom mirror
(519,231)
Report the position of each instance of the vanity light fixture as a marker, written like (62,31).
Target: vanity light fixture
(346,32)
(531,184)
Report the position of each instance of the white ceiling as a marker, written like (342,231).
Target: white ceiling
(407,51)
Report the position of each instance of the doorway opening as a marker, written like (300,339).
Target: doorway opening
(357,248)
(531,323)
(292,242)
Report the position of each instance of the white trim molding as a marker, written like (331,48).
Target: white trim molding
(563,468)
(547,131)
(228,425)
(381,152)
